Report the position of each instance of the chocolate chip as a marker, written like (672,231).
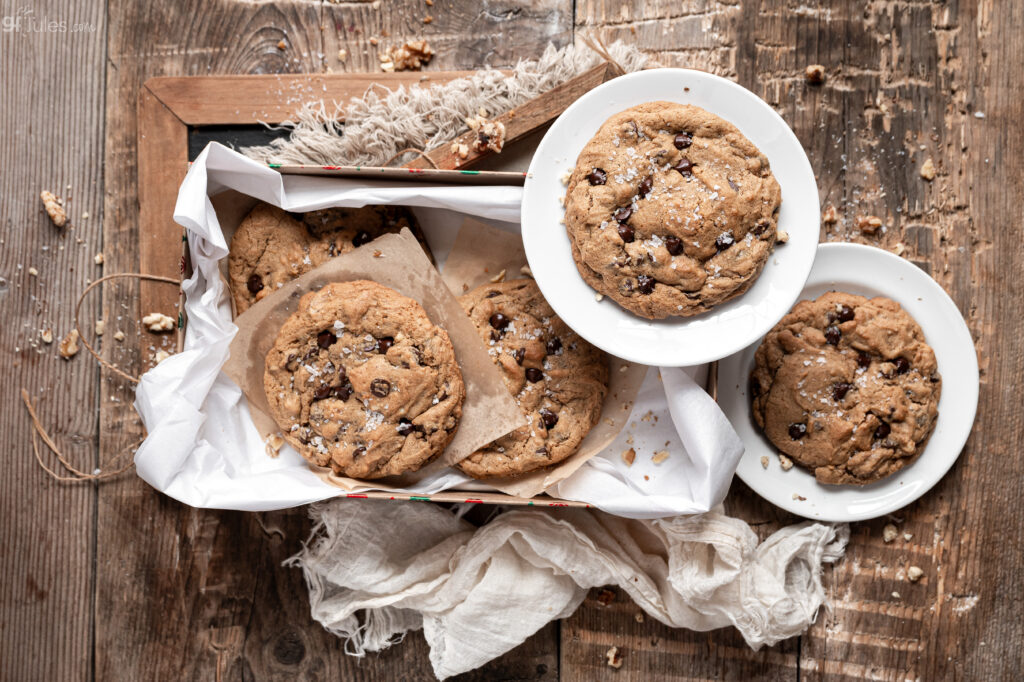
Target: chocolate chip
(645,284)
(733,185)
(383,343)
(405,427)
(724,241)
(495,335)
(840,390)
(359,451)
(845,313)
(626,233)
(492,294)
(344,392)
(533,375)
(685,167)
(499,321)
(597,177)
(549,417)
(623,213)
(683,140)
(797,431)
(519,355)
(832,334)
(553,345)
(760,226)
(646,185)
(863,360)
(541,450)
(342,375)
(325,339)
(674,245)
(902,365)
(322,391)
(362,237)
(292,363)
(882,431)
(380,387)
(255,284)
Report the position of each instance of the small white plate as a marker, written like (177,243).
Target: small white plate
(676,341)
(867,271)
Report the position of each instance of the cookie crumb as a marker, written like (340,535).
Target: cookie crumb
(160,356)
(639,617)
(799,498)
(785,462)
(46,335)
(119,335)
(98,259)
(598,297)
(928,169)
(100,327)
(411,56)
(32,272)
(281,45)
(342,55)
(659,456)
(629,456)
(525,271)
(895,595)
(158,322)
(605,597)
(273,444)
(899,249)
(889,533)
(428,19)
(500,277)
(764,461)
(829,215)
(460,150)
(782,237)
(868,224)
(489,134)
(908,536)
(69,345)
(815,74)
(914,573)
(614,657)
(374,41)
(54,208)
(564,177)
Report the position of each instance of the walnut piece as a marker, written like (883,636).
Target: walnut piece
(158,322)
(408,57)
(629,456)
(815,74)
(160,356)
(928,169)
(54,208)
(613,657)
(785,462)
(889,533)
(829,216)
(764,461)
(868,224)
(914,573)
(489,134)
(69,345)
(46,335)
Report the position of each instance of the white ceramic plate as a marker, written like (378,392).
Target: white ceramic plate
(679,341)
(867,271)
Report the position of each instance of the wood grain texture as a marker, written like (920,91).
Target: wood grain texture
(52,115)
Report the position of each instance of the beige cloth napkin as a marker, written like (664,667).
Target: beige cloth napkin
(479,592)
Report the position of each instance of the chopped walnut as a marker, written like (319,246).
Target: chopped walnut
(613,657)
(54,208)
(914,573)
(101,326)
(782,237)
(460,150)
(274,443)
(639,617)
(815,74)
(629,456)
(799,498)
(158,322)
(489,134)
(785,462)
(928,169)
(98,259)
(605,597)
(119,335)
(868,224)
(32,272)
(889,533)
(281,45)
(160,356)
(764,461)
(409,57)
(69,345)
(830,215)
(500,277)
(46,335)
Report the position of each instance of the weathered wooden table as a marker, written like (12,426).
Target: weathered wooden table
(115,581)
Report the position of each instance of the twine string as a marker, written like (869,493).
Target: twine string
(412,150)
(598,46)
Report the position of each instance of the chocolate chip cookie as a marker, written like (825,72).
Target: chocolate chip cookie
(360,380)
(847,387)
(671,210)
(558,379)
(271,247)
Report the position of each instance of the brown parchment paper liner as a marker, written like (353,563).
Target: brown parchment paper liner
(396,261)
(481,252)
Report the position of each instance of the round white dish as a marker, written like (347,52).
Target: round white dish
(865,270)
(676,341)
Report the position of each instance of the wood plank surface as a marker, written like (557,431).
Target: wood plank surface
(52,115)
(116,581)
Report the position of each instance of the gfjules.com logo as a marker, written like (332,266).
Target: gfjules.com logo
(25,20)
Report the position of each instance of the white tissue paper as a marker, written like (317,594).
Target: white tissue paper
(203,450)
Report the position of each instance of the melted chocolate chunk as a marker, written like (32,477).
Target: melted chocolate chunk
(344,392)
(840,390)
(845,313)
(863,360)
(492,294)
(646,185)
(645,284)
(322,391)
(541,450)
(499,321)
(533,375)
(553,345)
(882,431)
(359,451)
(902,365)
(626,233)
(380,387)
(760,226)
(685,167)
(292,363)
(674,245)
(255,284)
(362,237)
(622,214)
(326,339)
(724,241)
(549,417)
(597,177)
(405,427)
(682,140)
(797,431)
(519,355)
(832,334)
(384,343)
